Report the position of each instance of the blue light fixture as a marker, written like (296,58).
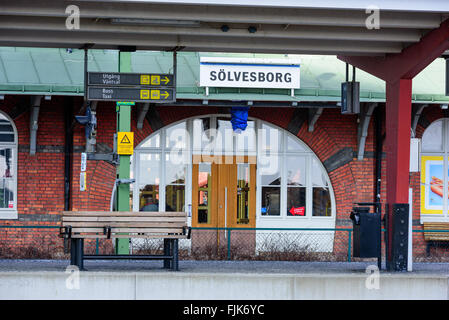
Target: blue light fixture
(239,118)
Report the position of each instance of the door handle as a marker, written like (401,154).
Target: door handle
(226,211)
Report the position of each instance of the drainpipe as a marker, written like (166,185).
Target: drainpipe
(68,150)
(379,138)
(34,117)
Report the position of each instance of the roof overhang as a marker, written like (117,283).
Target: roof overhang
(301,27)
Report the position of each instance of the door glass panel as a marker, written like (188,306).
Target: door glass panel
(243,173)
(204,191)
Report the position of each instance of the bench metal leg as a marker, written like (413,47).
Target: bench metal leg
(73,252)
(175,264)
(79,256)
(167,252)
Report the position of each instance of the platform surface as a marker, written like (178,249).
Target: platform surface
(220,280)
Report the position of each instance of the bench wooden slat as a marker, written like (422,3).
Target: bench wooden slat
(150,236)
(124,214)
(140,230)
(113,224)
(134,225)
(436,236)
(122,219)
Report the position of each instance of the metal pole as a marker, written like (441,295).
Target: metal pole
(349,245)
(123,170)
(228,231)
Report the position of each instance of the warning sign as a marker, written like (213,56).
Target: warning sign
(125,143)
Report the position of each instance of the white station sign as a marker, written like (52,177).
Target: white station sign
(250,73)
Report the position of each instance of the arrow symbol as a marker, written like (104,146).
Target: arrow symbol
(165,94)
(165,80)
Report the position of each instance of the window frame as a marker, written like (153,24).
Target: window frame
(444,153)
(283,152)
(11,213)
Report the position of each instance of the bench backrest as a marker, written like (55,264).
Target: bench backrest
(115,224)
(436,236)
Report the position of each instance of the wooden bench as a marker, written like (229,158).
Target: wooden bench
(80,225)
(432,236)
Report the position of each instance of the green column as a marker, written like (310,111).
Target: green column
(123,170)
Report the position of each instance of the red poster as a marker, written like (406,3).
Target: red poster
(297,211)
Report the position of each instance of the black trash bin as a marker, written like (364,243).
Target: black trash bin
(366,233)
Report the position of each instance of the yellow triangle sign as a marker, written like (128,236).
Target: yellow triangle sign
(125,139)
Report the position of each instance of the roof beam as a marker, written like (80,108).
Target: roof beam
(224,14)
(26,23)
(408,63)
(194,43)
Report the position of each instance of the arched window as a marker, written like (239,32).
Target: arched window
(8,168)
(291,184)
(434,163)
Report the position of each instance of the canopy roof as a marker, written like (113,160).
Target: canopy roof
(46,71)
(278,26)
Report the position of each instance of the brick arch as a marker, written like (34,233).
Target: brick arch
(320,141)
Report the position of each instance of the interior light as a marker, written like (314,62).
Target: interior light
(156,22)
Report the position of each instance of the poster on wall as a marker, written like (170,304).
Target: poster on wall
(432,178)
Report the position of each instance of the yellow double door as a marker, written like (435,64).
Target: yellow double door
(224,192)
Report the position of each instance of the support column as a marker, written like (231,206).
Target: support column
(398,119)
(123,170)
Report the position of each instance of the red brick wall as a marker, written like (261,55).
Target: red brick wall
(41,177)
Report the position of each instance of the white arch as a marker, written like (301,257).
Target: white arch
(287,135)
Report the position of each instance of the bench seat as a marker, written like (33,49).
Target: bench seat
(80,225)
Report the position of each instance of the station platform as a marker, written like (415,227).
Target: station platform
(220,280)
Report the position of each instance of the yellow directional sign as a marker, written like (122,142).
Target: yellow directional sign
(125,143)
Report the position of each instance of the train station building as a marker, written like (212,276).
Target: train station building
(299,163)
(278,116)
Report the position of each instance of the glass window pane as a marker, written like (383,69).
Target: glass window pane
(6,193)
(153,142)
(321,202)
(175,172)
(243,193)
(271,201)
(269,139)
(246,140)
(201,134)
(296,201)
(296,171)
(6,163)
(318,174)
(432,140)
(174,198)
(176,137)
(293,144)
(149,168)
(149,198)
(271,179)
(224,139)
